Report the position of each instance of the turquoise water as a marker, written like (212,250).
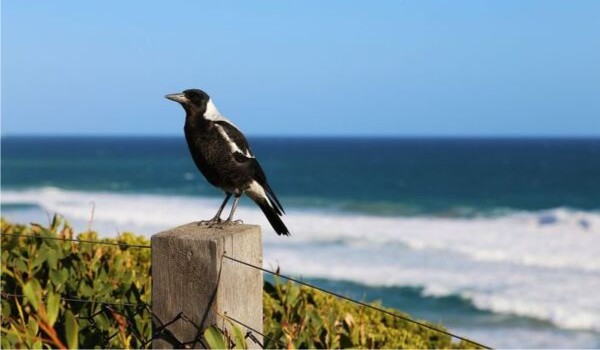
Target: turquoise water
(496,238)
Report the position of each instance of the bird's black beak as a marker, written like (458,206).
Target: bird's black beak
(177,97)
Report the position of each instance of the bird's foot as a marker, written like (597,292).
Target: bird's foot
(211,222)
(232,222)
(222,224)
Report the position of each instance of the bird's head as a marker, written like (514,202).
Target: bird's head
(192,100)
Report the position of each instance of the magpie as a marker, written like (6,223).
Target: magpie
(223,156)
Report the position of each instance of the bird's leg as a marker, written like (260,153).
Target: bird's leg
(217,218)
(233,208)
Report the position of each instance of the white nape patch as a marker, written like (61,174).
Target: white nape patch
(255,190)
(212,113)
(232,145)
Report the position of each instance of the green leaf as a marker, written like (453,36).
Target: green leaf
(86,290)
(11,339)
(64,275)
(53,307)
(55,223)
(52,260)
(314,317)
(20,265)
(292,295)
(58,277)
(39,259)
(29,292)
(118,261)
(239,338)
(71,330)
(6,309)
(102,322)
(214,338)
(32,328)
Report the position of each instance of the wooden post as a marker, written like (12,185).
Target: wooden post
(191,278)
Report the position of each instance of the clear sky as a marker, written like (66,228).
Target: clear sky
(419,68)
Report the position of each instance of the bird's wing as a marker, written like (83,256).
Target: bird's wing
(242,154)
(235,138)
(261,178)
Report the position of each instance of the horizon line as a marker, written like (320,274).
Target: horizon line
(338,136)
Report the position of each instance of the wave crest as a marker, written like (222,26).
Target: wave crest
(538,264)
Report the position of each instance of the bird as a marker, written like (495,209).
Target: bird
(222,154)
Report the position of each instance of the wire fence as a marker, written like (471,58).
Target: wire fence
(161,330)
(76,240)
(109,303)
(251,330)
(109,309)
(360,303)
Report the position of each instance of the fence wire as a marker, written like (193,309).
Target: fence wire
(252,330)
(88,301)
(123,318)
(162,328)
(424,325)
(122,245)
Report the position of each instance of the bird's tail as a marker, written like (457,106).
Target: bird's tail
(273,217)
(269,205)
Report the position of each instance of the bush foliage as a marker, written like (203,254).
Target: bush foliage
(50,272)
(304,318)
(40,276)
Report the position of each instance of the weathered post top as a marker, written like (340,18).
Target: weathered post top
(192,283)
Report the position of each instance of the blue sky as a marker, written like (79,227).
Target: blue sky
(455,68)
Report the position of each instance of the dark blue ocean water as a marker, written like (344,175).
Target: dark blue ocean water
(381,176)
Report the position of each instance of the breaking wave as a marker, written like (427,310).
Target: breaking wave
(542,264)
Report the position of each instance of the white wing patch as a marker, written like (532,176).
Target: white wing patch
(255,190)
(232,145)
(213,114)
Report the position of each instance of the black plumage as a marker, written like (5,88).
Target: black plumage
(223,156)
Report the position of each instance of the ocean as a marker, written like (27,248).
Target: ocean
(497,239)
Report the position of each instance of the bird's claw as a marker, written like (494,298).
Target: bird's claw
(222,224)
(210,223)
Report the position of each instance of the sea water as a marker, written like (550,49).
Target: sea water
(497,239)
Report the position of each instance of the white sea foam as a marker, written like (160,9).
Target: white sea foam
(544,265)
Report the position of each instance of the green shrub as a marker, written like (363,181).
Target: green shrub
(301,317)
(49,272)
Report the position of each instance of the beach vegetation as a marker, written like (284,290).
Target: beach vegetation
(58,293)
